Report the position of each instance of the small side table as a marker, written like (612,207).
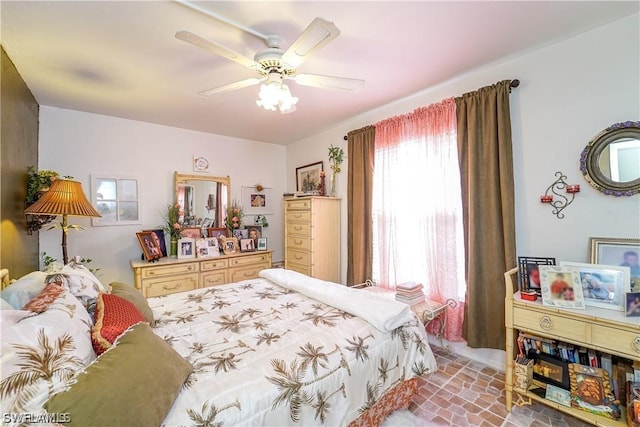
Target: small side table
(429,310)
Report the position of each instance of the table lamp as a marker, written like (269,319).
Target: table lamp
(64,197)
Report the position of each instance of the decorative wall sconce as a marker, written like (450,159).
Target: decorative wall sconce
(561,201)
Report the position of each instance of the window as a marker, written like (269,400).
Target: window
(117,199)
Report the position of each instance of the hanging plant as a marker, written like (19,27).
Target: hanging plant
(38,182)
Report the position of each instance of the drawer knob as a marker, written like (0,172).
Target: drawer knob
(297,228)
(635,344)
(151,273)
(297,242)
(190,268)
(545,323)
(171,288)
(297,216)
(298,257)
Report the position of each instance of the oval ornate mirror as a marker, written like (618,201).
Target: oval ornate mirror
(611,160)
(202,198)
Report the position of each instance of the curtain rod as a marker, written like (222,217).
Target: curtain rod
(514,83)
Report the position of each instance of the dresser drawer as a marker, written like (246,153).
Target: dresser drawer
(616,340)
(169,270)
(263,259)
(214,278)
(298,217)
(214,264)
(298,257)
(299,229)
(245,273)
(297,204)
(166,286)
(550,324)
(300,268)
(294,242)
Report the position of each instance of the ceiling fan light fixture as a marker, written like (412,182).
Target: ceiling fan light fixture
(275,94)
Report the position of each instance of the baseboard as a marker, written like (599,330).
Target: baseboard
(495,359)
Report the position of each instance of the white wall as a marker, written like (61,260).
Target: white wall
(569,92)
(80,144)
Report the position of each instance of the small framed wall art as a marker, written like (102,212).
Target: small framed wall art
(308,177)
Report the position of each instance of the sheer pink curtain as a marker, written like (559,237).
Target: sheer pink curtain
(417,207)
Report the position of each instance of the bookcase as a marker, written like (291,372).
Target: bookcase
(606,331)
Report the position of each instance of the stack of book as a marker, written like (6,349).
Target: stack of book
(409,293)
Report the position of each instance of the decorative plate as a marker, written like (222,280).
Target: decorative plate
(200,164)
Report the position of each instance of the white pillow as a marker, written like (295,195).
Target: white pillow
(5,305)
(65,330)
(24,289)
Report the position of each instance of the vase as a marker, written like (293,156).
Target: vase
(332,193)
(173,249)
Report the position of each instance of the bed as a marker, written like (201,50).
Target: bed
(283,349)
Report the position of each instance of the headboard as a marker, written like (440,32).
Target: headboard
(4,278)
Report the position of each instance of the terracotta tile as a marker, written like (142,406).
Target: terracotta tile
(472,408)
(445,414)
(492,418)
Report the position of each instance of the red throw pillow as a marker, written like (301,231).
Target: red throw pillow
(48,295)
(114,315)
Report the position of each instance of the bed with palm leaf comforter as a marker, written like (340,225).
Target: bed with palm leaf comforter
(283,349)
(286,349)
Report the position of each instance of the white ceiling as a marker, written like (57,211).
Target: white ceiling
(122,59)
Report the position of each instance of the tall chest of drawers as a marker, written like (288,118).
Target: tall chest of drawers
(312,236)
(170,275)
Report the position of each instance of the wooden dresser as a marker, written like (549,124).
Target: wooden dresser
(604,330)
(312,236)
(170,275)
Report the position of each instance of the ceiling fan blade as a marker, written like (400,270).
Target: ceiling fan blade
(316,35)
(232,86)
(328,82)
(196,40)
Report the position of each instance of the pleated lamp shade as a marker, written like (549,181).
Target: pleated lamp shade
(65,197)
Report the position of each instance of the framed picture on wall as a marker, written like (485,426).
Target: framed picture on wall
(622,252)
(308,177)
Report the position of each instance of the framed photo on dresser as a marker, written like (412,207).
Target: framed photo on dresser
(622,252)
(529,272)
(186,247)
(603,286)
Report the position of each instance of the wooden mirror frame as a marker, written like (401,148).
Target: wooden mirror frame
(181,179)
(590,158)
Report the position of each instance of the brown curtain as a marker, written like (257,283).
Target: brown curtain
(360,156)
(486,173)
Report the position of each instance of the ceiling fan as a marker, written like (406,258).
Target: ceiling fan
(275,65)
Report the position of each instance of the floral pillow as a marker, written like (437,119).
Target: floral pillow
(77,279)
(42,352)
(49,294)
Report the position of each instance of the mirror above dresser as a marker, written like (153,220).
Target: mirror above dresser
(202,197)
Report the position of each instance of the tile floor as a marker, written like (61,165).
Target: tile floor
(464,392)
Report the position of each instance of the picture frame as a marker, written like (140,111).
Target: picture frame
(551,371)
(308,177)
(150,247)
(160,240)
(529,272)
(561,287)
(615,251)
(632,304)
(218,233)
(261,245)
(591,391)
(207,247)
(602,285)
(240,233)
(254,232)
(192,232)
(558,395)
(186,248)
(258,202)
(247,245)
(229,245)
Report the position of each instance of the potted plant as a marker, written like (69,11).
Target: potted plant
(336,157)
(37,183)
